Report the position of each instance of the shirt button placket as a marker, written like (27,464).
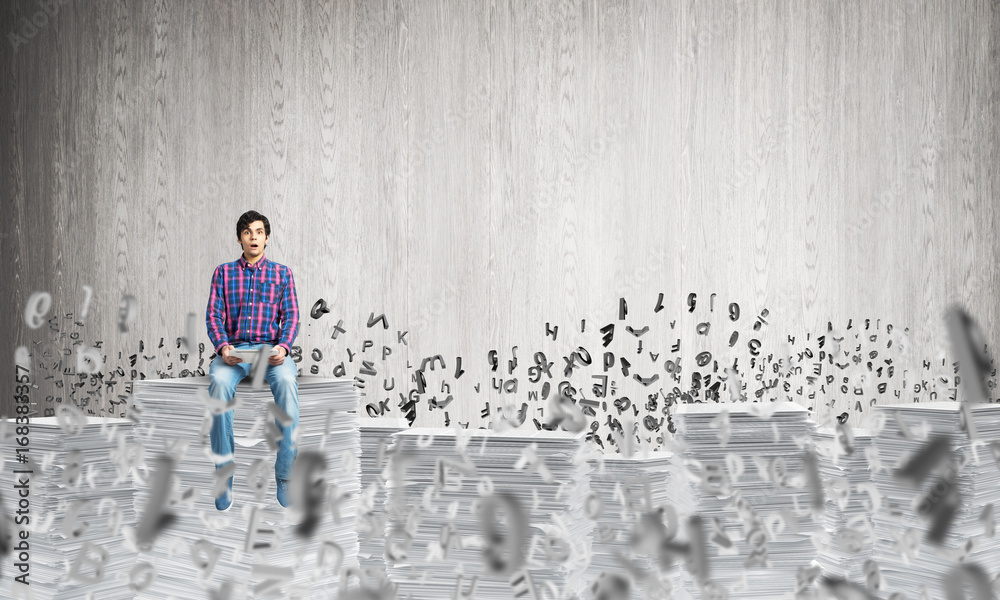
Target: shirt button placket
(253,274)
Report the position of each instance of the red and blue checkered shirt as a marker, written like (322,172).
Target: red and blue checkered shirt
(252,303)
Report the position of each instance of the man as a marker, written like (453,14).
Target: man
(253,302)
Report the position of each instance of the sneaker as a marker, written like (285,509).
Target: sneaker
(225,501)
(283,493)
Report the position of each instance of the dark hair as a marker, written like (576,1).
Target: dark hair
(249,217)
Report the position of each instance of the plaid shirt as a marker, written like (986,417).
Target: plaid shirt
(252,303)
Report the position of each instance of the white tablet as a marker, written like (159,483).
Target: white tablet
(250,355)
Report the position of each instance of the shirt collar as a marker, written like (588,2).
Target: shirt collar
(245,265)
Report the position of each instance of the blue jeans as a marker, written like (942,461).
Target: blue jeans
(285,389)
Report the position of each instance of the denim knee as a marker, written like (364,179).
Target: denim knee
(284,376)
(223,378)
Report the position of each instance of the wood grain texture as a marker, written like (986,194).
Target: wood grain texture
(476,170)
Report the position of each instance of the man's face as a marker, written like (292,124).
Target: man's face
(253,240)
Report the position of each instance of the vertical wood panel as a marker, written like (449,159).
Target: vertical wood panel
(447,189)
(474,170)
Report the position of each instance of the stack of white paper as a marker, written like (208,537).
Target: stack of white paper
(746,465)
(254,543)
(73,474)
(624,488)
(377,446)
(847,482)
(909,562)
(447,487)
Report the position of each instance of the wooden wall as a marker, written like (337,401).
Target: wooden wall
(474,170)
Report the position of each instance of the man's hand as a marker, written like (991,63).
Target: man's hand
(278,358)
(230,360)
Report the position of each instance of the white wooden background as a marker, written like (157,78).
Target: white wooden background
(474,170)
